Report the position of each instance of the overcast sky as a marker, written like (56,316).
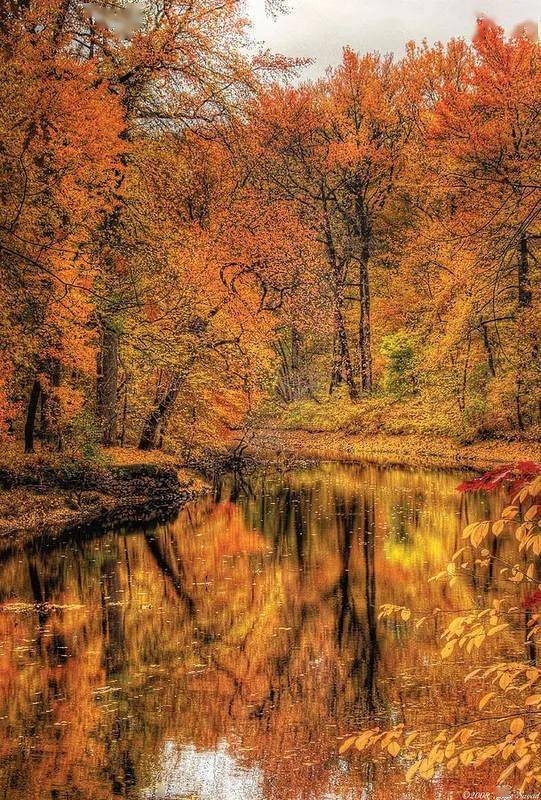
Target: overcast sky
(320,28)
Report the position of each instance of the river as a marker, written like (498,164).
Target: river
(223,655)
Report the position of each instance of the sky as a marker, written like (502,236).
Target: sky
(320,28)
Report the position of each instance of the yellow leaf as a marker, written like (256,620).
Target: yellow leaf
(478,533)
(347,744)
(486,699)
(516,726)
(394,748)
(498,527)
(448,649)
(506,680)
(498,628)
(531,513)
(533,700)
(410,774)
(468,530)
(388,737)
(426,770)
(510,512)
(507,750)
(506,773)
(466,734)
(405,614)
(362,741)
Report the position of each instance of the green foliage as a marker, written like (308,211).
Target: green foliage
(399,351)
(82,445)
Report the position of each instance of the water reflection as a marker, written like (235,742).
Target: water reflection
(222,656)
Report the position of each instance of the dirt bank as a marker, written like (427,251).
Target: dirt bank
(42,498)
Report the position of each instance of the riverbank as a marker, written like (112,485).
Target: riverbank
(42,496)
(415,450)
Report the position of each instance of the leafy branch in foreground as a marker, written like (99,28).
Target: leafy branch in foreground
(507,728)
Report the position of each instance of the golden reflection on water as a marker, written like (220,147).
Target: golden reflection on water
(223,655)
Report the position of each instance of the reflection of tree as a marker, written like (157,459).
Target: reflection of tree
(253,623)
(370,595)
(112,618)
(167,570)
(37,591)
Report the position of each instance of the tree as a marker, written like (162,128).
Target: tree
(368,128)
(61,132)
(292,156)
(485,138)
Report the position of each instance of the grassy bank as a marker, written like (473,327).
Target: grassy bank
(382,414)
(389,430)
(44,495)
(417,450)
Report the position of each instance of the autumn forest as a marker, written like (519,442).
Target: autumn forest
(270,410)
(192,236)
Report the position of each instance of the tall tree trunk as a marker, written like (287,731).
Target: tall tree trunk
(292,381)
(524,303)
(524,286)
(488,349)
(343,345)
(31,417)
(365,333)
(337,272)
(122,435)
(284,387)
(336,369)
(297,365)
(107,368)
(158,416)
(50,428)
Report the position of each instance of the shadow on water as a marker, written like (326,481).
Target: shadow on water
(222,655)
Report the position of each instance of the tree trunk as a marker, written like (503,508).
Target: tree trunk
(158,416)
(283,386)
(365,335)
(488,349)
(297,365)
(292,381)
(345,357)
(107,386)
(524,304)
(122,436)
(31,417)
(524,286)
(50,428)
(336,369)
(342,358)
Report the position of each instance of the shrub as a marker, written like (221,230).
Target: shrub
(398,349)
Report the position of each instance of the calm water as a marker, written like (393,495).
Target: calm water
(223,656)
